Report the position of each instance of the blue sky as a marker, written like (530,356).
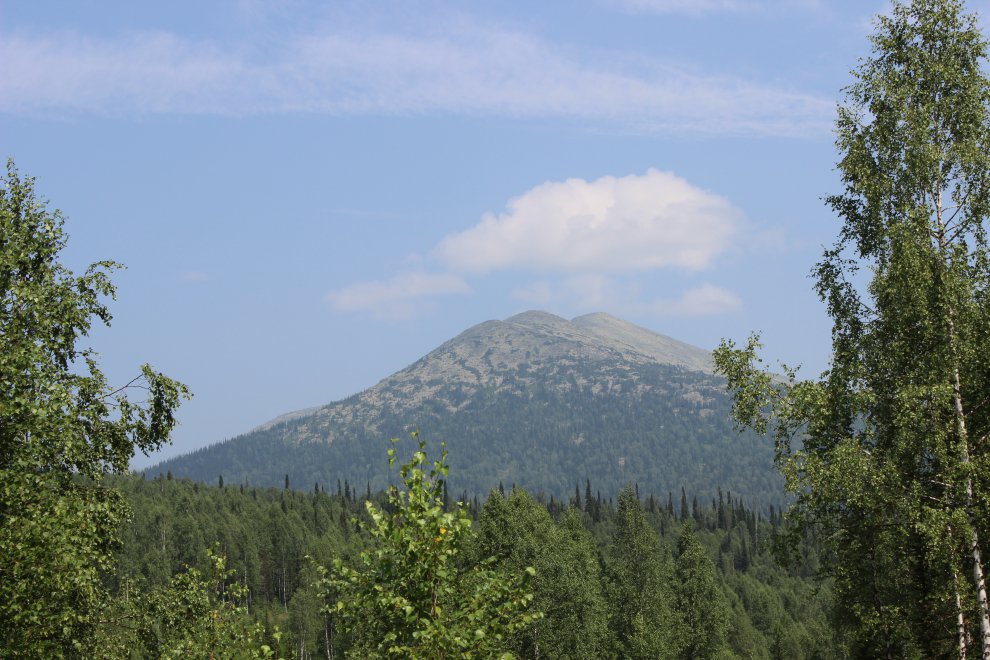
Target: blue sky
(310,196)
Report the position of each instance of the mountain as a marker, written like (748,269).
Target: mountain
(534,400)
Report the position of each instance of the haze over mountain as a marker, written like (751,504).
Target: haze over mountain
(534,400)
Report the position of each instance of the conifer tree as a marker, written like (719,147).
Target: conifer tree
(699,599)
(645,622)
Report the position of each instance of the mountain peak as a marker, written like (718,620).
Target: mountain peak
(537,336)
(535,399)
(535,317)
(602,317)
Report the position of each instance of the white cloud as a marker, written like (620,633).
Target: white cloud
(593,239)
(636,222)
(399,297)
(460,69)
(592,292)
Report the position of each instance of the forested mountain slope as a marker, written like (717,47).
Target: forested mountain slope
(534,400)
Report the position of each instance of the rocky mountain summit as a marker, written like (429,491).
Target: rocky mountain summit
(536,400)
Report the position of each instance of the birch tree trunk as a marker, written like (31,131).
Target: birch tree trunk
(962,439)
(978,577)
(960,618)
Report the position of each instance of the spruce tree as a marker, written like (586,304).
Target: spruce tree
(699,599)
(644,620)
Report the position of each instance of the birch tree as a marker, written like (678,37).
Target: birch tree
(63,427)
(410,597)
(891,458)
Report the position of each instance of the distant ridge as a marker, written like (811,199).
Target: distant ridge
(285,417)
(535,400)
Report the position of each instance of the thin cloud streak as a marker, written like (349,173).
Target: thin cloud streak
(398,297)
(598,291)
(704,300)
(700,7)
(469,70)
(194,276)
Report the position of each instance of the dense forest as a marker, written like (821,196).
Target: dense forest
(629,576)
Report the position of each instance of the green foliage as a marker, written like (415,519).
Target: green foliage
(645,620)
(308,623)
(194,616)
(62,427)
(699,599)
(567,587)
(410,597)
(266,535)
(887,450)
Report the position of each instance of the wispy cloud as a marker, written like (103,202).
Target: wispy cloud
(461,68)
(636,222)
(399,297)
(586,291)
(194,276)
(589,291)
(698,7)
(705,300)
